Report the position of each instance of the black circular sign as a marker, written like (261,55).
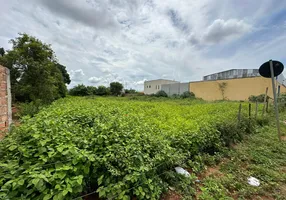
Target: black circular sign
(264,69)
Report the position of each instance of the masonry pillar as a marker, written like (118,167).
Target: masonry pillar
(5,99)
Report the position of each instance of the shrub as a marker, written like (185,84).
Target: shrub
(31,108)
(188,94)
(258,98)
(175,96)
(78,145)
(161,93)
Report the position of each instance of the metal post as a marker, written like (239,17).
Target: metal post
(275,100)
(265,99)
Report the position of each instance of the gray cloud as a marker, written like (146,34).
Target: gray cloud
(221,30)
(177,20)
(76,10)
(149,43)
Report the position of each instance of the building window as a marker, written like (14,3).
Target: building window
(149,86)
(158,87)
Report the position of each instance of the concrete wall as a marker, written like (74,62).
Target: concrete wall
(152,87)
(5,99)
(236,89)
(175,88)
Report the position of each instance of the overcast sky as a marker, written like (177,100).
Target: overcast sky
(130,41)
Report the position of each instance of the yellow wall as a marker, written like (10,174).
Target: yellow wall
(236,89)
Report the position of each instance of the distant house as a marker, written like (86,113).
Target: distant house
(153,86)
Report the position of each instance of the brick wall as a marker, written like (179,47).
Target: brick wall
(5,99)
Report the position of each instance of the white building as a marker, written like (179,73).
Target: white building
(153,86)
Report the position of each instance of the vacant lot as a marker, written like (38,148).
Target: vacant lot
(117,147)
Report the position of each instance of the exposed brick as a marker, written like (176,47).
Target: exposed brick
(3,110)
(3,92)
(3,124)
(3,85)
(3,101)
(3,118)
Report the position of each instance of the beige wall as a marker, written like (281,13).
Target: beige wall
(236,89)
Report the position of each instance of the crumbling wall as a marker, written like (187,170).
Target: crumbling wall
(5,99)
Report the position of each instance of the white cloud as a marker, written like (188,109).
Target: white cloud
(221,30)
(94,79)
(141,82)
(77,75)
(100,41)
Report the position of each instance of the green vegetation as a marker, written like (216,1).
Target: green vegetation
(261,156)
(35,71)
(161,93)
(82,90)
(259,98)
(188,94)
(116,146)
(116,88)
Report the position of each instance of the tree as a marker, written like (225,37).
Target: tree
(91,90)
(2,51)
(130,91)
(101,90)
(116,88)
(66,76)
(79,90)
(34,71)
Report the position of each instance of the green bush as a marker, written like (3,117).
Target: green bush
(161,93)
(30,109)
(175,96)
(259,98)
(188,94)
(78,145)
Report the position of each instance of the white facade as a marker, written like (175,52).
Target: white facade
(153,86)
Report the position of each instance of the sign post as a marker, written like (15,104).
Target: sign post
(272,69)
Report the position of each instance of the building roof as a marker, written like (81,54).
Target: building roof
(161,80)
(228,71)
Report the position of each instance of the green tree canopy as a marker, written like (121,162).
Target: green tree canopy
(2,51)
(91,90)
(116,88)
(35,72)
(102,90)
(65,74)
(79,90)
